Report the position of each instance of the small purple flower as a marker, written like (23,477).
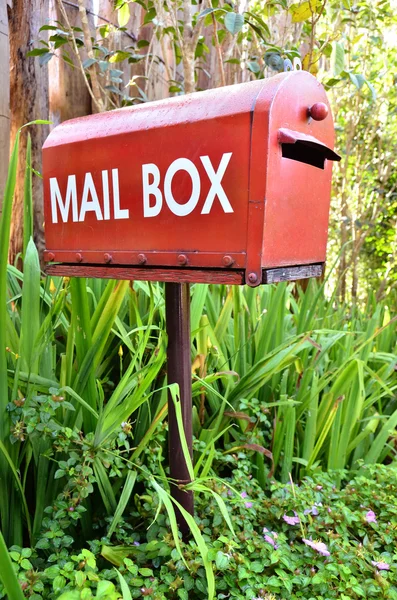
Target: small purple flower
(269,540)
(370,517)
(312,511)
(248,504)
(292,520)
(137,544)
(320,547)
(243,494)
(382,566)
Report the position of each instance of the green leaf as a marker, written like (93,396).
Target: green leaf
(234,22)
(222,560)
(337,59)
(14,472)
(7,573)
(253,66)
(124,498)
(205,12)
(45,58)
(174,391)
(304,11)
(28,198)
(89,62)
(119,56)
(30,310)
(37,52)
(26,564)
(371,89)
(123,14)
(124,587)
(105,589)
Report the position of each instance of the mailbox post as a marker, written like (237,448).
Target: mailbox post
(179,370)
(227,186)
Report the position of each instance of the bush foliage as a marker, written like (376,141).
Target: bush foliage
(319,539)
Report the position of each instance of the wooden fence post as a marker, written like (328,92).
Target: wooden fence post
(4,96)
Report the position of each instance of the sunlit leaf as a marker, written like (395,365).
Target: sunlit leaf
(234,22)
(123,14)
(337,59)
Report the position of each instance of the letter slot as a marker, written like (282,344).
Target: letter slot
(305,148)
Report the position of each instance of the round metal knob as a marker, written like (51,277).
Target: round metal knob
(319,111)
(142,259)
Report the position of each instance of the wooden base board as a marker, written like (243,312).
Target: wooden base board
(219,276)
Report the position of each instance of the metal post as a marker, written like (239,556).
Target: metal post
(177,302)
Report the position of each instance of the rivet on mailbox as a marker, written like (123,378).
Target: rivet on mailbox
(242,171)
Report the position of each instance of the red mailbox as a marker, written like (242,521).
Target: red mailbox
(230,185)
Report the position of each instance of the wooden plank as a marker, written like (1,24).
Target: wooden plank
(147,274)
(292,273)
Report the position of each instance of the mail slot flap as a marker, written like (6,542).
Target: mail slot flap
(288,136)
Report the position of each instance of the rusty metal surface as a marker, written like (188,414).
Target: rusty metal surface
(226,188)
(292,273)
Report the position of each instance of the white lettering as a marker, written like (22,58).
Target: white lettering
(64,207)
(93,204)
(216,187)
(182,164)
(151,189)
(105,189)
(118,212)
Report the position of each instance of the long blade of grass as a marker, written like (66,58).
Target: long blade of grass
(7,573)
(174,391)
(5,454)
(5,224)
(124,498)
(28,198)
(30,310)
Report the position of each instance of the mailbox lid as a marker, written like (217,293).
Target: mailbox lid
(206,124)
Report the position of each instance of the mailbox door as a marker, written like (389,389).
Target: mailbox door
(299,165)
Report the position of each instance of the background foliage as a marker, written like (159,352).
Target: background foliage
(179,47)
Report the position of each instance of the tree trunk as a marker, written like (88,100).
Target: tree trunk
(4,97)
(29,101)
(68,94)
